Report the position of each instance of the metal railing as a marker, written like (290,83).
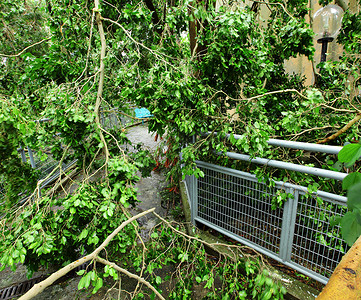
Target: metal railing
(298,234)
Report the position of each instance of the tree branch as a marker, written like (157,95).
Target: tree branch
(276,3)
(342,130)
(28,47)
(156,53)
(101,77)
(278,92)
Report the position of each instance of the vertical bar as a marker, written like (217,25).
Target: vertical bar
(288,225)
(22,154)
(194,198)
(31,156)
(293,223)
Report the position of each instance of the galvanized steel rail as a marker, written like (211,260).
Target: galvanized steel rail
(288,166)
(296,145)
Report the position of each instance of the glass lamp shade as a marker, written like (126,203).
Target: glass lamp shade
(327,21)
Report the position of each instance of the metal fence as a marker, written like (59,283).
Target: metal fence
(43,167)
(298,234)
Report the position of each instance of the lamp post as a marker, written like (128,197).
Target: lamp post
(328,19)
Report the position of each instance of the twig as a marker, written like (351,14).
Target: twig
(131,275)
(276,3)
(61,182)
(260,96)
(28,47)
(197,239)
(156,53)
(339,109)
(278,92)
(89,45)
(307,130)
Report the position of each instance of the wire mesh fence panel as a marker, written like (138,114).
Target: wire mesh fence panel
(298,234)
(45,166)
(116,119)
(316,244)
(111,120)
(240,206)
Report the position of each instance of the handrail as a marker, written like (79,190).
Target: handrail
(287,166)
(297,145)
(305,146)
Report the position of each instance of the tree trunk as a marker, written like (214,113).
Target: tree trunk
(155,17)
(345,282)
(195,30)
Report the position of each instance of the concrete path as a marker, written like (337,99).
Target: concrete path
(149,188)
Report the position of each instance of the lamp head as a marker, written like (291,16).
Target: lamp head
(328,22)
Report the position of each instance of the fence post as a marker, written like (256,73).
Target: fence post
(22,154)
(288,225)
(31,156)
(194,198)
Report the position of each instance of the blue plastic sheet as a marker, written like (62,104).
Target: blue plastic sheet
(142,113)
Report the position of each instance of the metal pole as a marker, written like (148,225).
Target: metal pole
(324,50)
(305,146)
(194,198)
(324,41)
(288,166)
(288,225)
(31,156)
(22,154)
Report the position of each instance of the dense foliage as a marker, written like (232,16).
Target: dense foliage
(197,69)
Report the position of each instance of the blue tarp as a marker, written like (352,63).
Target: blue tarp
(142,113)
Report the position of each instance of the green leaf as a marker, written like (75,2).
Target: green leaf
(350,227)
(81,272)
(158,280)
(87,280)
(98,285)
(81,283)
(154,235)
(177,94)
(83,234)
(209,283)
(350,153)
(335,221)
(350,180)
(354,197)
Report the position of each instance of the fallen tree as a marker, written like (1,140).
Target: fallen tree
(94,256)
